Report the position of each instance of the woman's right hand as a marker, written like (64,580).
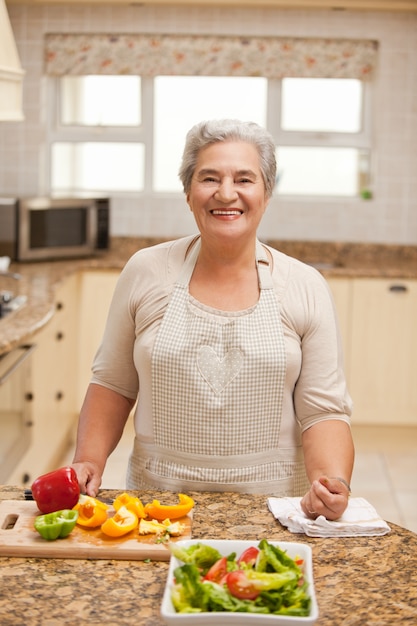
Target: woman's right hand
(102,420)
(89,477)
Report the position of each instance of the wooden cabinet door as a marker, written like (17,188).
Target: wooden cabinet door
(341,289)
(383,367)
(96,291)
(65,328)
(54,387)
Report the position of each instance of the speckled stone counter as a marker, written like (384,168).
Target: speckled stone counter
(40,279)
(359,581)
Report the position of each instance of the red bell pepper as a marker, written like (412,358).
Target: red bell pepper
(56,490)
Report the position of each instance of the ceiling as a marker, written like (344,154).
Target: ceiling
(375,5)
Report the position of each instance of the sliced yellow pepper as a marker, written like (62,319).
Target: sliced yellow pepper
(150,527)
(160,512)
(153,527)
(91,512)
(131,503)
(122,522)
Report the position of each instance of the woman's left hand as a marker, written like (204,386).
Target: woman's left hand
(327,496)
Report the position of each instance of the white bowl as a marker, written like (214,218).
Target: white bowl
(225,547)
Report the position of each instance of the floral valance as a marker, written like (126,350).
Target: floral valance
(203,55)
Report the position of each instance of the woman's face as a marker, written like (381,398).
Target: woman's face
(227,194)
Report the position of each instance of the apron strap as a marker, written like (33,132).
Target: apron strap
(263,267)
(188,266)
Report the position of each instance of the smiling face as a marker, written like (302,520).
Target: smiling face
(227,194)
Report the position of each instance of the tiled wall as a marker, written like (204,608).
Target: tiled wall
(390,217)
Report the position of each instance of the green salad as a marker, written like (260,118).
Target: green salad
(263,579)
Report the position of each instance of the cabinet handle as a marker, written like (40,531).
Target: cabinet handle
(59,306)
(59,395)
(59,336)
(26,478)
(398,288)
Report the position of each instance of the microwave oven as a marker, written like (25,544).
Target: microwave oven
(37,229)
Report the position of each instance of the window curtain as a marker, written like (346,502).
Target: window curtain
(199,55)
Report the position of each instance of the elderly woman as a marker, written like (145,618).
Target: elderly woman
(230,348)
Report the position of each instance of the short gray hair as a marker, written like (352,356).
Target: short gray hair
(212,131)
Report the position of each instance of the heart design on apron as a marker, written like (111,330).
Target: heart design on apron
(217,372)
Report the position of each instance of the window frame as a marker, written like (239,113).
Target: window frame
(360,140)
(144,133)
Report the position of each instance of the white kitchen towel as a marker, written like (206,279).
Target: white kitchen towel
(359,520)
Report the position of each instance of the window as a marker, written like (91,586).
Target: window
(125,134)
(181,101)
(322,137)
(100,100)
(97,166)
(321,104)
(317,171)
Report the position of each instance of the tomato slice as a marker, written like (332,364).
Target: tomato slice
(240,587)
(249,556)
(217,571)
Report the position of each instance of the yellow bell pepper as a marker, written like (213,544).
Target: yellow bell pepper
(160,512)
(131,503)
(153,527)
(122,522)
(91,512)
(150,527)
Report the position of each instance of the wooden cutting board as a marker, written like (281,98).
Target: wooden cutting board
(19,538)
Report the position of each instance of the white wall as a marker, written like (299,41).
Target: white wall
(391,217)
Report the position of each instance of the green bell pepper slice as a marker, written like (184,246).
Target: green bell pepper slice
(56,525)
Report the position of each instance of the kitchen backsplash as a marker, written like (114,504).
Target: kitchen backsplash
(391,216)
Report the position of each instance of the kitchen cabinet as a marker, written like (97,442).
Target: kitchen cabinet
(383,351)
(341,289)
(96,291)
(378,329)
(377,319)
(16,418)
(54,386)
(379,333)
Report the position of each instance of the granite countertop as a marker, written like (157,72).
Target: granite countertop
(363,580)
(39,280)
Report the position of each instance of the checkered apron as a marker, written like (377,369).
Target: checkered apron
(218,382)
